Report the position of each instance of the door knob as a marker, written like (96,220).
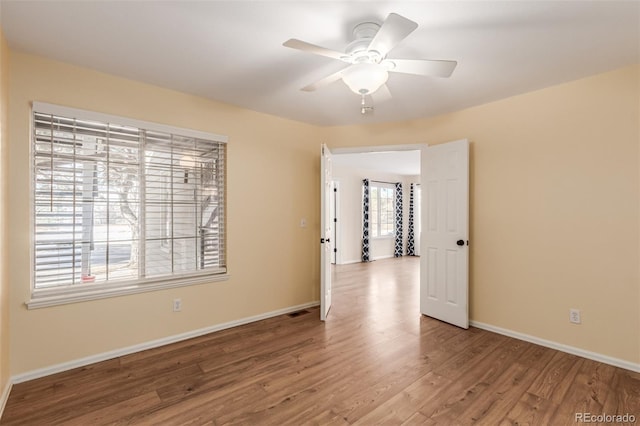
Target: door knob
(460,242)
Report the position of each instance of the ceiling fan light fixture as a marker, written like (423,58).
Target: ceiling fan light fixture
(365,78)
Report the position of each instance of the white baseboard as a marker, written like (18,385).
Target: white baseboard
(349,262)
(42,372)
(389,256)
(5,396)
(47,371)
(616,362)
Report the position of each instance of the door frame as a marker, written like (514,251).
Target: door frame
(378,148)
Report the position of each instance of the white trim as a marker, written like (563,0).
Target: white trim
(616,362)
(381,148)
(388,256)
(43,298)
(5,396)
(349,262)
(108,118)
(42,372)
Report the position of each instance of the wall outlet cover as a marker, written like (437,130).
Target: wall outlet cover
(574,316)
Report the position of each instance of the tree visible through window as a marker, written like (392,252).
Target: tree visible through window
(116,203)
(382,209)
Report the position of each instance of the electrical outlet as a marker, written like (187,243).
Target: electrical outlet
(574,316)
(177,305)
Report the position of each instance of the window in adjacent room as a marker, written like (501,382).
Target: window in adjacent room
(382,209)
(123,206)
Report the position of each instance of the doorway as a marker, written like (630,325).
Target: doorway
(445,211)
(384,169)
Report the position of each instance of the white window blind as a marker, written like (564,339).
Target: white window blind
(117,203)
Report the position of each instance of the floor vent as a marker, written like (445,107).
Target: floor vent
(298,313)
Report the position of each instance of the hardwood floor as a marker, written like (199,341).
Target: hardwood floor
(375,361)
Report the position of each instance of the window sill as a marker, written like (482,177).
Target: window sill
(54,297)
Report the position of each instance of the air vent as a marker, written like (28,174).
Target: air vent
(298,313)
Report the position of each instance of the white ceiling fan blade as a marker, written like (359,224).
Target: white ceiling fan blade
(324,81)
(420,67)
(394,29)
(316,50)
(381,95)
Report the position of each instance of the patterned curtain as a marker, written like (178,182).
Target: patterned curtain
(398,222)
(411,245)
(365,220)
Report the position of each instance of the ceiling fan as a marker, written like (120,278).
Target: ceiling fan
(369,66)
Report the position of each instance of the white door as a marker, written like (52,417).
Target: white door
(326,247)
(444,260)
(334,221)
(417,213)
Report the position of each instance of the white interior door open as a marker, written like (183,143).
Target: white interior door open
(417,211)
(326,246)
(444,257)
(334,221)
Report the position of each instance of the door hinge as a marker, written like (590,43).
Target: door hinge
(321,240)
(335,220)
(335,250)
(335,189)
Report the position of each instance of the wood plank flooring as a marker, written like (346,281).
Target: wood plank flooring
(375,361)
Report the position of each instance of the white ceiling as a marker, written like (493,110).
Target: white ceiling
(231,51)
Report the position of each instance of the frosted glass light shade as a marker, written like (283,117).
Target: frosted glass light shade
(365,79)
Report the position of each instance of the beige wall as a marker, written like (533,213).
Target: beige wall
(554,208)
(4,282)
(273,176)
(555,197)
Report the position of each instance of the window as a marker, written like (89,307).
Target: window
(382,209)
(121,205)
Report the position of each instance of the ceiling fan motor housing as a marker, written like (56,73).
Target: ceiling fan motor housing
(358,49)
